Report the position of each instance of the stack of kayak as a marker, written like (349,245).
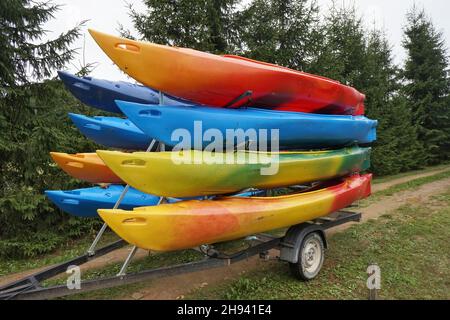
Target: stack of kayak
(197,194)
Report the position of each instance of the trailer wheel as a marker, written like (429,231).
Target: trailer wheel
(310,258)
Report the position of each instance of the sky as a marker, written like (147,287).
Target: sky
(106,15)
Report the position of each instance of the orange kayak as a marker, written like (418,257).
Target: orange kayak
(85,166)
(218,80)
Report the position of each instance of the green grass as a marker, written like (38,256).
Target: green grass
(68,251)
(410,245)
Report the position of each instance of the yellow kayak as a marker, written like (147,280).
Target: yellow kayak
(188,224)
(206,173)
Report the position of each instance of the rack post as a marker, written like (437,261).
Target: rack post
(91,250)
(123,270)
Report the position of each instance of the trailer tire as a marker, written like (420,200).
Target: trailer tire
(310,257)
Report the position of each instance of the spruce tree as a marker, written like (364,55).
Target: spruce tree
(397,148)
(284,32)
(206,25)
(340,55)
(33,121)
(427,85)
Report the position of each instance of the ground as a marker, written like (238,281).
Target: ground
(409,242)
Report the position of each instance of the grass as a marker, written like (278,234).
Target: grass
(68,251)
(410,245)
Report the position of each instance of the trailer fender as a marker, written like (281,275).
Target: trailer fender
(290,245)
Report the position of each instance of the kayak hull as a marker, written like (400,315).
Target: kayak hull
(196,173)
(188,224)
(85,166)
(101,94)
(295,130)
(111,132)
(218,80)
(85,202)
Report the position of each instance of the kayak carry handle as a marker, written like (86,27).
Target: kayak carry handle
(82,86)
(150,113)
(92,126)
(128,47)
(75,164)
(135,220)
(70,201)
(133,163)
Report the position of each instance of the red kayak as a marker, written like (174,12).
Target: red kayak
(228,81)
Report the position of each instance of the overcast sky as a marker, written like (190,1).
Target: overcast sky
(105,15)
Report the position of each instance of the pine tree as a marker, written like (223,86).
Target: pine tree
(341,53)
(33,121)
(427,85)
(206,25)
(284,32)
(397,148)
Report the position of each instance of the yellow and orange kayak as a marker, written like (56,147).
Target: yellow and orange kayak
(218,80)
(85,166)
(188,224)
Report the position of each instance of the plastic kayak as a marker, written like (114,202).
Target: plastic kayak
(112,132)
(192,223)
(218,81)
(296,130)
(85,166)
(101,94)
(86,202)
(197,173)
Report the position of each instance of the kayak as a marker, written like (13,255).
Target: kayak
(101,94)
(197,173)
(85,202)
(85,166)
(219,81)
(296,130)
(112,132)
(188,224)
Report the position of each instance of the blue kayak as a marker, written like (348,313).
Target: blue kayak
(296,130)
(86,202)
(101,94)
(111,132)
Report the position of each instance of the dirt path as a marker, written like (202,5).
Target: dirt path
(171,288)
(416,196)
(385,185)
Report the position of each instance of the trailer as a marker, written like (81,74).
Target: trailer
(303,247)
